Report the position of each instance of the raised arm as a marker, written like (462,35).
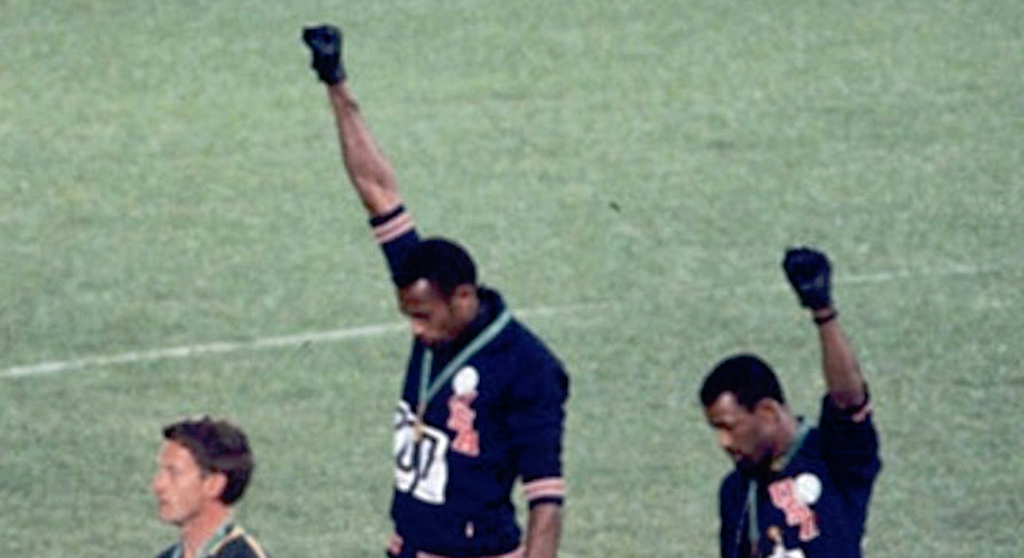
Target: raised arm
(368,170)
(809,273)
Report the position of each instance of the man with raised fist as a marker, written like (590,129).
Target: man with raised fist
(798,490)
(483,400)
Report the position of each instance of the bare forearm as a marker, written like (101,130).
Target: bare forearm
(544,531)
(842,371)
(369,171)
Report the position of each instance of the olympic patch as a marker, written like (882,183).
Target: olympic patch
(461,416)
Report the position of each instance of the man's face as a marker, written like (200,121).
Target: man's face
(181,487)
(743,434)
(434,320)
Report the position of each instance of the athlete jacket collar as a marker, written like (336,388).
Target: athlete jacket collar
(780,462)
(491,306)
(209,547)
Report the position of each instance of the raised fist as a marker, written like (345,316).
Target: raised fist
(325,43)
(808,271)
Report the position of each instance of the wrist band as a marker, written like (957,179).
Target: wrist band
(822,320)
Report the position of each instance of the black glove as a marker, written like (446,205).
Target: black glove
(808,271)
(325,42)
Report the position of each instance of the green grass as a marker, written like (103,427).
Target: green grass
(169,177)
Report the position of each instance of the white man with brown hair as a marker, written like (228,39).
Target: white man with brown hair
(203,469)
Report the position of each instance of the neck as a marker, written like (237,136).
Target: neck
(473,311)
(786,437)
(195,533)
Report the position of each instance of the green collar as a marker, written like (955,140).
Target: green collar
(219,536)
(779,463)
(428,389)
(753,528)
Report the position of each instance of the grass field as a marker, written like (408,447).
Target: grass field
(177,236)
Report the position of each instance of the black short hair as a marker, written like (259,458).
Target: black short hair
(438,260)
(747,377)
(218,446)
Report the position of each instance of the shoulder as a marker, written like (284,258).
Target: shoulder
(732,494)
(848,442)
(242,545)
(529,360)
(518,349)
(167,552)
(516,341)
(811,446)
(514,334)
(522,340)
(733,482)
(846,427)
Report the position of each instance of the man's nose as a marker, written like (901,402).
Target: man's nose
(156,485)
(417,328)
(724,439)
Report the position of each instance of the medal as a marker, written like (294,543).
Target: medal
(417,427)
(428,388)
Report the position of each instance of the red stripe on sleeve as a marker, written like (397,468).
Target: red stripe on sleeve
(393,228)
(553,487)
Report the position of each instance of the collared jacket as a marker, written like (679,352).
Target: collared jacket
(816,506)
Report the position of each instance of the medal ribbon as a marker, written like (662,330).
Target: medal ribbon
(753,526)
(428,389)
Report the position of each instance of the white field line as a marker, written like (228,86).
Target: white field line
(191,351)
(223,347)
(953,270)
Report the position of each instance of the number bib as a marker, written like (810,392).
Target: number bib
(421,469)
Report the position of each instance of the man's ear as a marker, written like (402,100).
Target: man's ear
(464,297)
(466,291)
(768,410)
(214,484)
